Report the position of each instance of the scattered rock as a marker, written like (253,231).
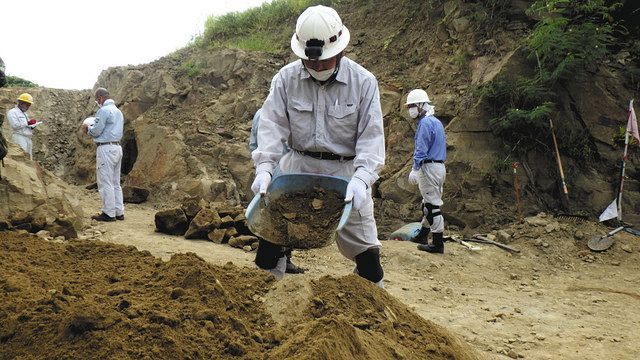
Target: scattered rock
(503,236)
(242,241)
(172,222)
(626,248)
(536,221)
(62,227)
(134,194)
(192,207)
(217,235)
(202,224)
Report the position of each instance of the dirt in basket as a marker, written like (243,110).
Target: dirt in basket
(302,219)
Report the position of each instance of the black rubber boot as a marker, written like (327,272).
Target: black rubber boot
(293,268)
(437,247)
(421,238)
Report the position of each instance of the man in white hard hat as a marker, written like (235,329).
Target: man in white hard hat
(21,126)
(327,108)
(106,130)
(428,169)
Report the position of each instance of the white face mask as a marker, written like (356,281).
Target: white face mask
(323,75)
(97,103)
(414,112)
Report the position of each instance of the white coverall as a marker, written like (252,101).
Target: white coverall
(107,132)
(430,183)
(343,118)
(21,131)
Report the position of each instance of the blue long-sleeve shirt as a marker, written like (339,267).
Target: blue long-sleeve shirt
(253,138)
(109,123)
(430,141)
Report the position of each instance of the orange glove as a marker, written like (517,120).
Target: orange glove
(31,122)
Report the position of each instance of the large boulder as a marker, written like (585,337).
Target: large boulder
(33,198)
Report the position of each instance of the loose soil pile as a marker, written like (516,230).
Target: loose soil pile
(302,219)
(89,299)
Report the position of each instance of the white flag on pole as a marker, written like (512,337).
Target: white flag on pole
(610,212)
(632,124)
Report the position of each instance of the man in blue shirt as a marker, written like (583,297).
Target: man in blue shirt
(106,132)
(428,169)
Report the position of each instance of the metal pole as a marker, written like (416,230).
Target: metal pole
(555,144)
(624,161)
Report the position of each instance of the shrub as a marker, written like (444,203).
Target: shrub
(14,81)
(570,38)
(256,28)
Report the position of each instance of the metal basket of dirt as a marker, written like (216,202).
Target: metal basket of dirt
(302,211)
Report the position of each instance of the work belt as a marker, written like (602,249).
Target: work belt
(325,155)
(108,143)
(431,161)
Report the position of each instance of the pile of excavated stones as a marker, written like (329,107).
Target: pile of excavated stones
(219,222)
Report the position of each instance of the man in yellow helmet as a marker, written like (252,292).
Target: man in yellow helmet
(21,126)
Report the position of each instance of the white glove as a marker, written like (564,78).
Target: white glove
(356,192)
(413,176)
(261,182)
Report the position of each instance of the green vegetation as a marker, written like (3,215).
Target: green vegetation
(14,81)
(190,68)
(255,29)
(571,38)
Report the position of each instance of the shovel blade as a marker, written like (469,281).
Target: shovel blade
(600,243)
(345,215)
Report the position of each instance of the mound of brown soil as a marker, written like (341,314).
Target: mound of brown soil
(302,219)
(350,318)
(95,300)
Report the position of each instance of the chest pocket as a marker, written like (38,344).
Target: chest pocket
(301,120)
(343,123)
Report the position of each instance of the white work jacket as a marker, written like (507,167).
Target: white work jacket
(343,118)
(18,122)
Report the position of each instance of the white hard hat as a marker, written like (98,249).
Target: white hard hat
(89,121)
(417,96)
(319,34)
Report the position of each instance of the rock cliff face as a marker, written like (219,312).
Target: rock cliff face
(188,117)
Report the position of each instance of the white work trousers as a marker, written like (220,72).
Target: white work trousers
(360,233)
(430,183)
(24,142)
(108,163)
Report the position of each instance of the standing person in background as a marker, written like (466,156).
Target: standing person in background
(3,78)
(291,268)
(106,131)
(428,168)
(327,108)
(21,126)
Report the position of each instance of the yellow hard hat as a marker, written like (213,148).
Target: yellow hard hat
(26,98)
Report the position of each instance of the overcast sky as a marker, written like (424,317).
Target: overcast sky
(66,43)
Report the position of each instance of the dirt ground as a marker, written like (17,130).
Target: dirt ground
(555,300)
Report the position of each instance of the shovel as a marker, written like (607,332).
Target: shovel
(455,238)
(485,240)
(602,243)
